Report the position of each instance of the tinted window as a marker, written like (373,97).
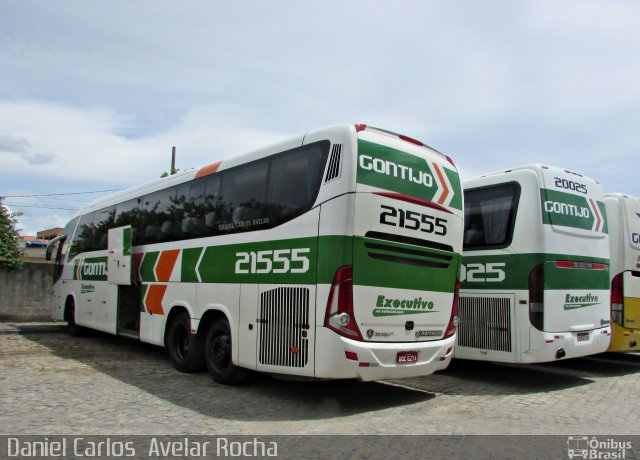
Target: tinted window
(242,200)
(84,236)
(156,223)
(294,181)
(254,196)
(68,230)
(489,216)
(129,213)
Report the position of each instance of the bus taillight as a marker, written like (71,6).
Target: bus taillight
(617,299)
(453,321)
(339,316)
(536,297)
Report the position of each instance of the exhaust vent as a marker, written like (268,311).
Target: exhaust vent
(485,323)
(283,327)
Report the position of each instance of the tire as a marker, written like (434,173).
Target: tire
(70,315)
(186,350)
(218,355)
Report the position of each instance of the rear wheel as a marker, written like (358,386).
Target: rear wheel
(218,355)
(186,350)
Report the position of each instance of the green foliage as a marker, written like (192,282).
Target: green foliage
(166,174)
(9,232)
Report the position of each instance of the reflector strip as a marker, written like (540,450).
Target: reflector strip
(413,200)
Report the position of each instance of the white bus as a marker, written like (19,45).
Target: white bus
(623,213)
(535,267)
(334,254)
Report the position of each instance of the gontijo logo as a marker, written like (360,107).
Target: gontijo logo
(91,269)
(389,168)
(569,210)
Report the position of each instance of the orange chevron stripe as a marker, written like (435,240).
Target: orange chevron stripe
(153,301)
(445,194)
(165,264)
(209,169)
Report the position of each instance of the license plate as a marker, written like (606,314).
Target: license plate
(583,336)
(406,357)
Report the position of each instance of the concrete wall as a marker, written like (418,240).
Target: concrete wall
(25,293)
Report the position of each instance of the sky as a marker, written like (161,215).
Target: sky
(93,95)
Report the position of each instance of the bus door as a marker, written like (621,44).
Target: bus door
(120,274)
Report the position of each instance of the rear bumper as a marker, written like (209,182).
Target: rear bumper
(623,339)
(553,346)
(377,360)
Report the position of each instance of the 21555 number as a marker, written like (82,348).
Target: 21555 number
(413,220)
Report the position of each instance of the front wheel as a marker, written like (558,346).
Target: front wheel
(70,316)
(218,355)
(186,350)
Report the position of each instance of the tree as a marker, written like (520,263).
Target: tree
(9,233)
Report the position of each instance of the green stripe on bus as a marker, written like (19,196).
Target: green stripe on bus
(511,271)
(148,263)
(569,210)
(390,169)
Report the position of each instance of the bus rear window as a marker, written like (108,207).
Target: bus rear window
(489,216)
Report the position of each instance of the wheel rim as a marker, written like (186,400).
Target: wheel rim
(181,346)
(220,352)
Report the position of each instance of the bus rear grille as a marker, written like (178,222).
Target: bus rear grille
(283,326)
(485,323)
(406,250)
(333,170)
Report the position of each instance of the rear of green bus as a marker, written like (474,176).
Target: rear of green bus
(569,291)
(391,311)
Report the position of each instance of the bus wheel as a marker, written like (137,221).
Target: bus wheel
(70,316)
(218,355)
(186,350)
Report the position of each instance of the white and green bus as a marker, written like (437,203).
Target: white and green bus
(623,213)
(334,254)
(535,267)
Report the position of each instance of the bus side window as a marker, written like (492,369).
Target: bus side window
(85,234)
(156,223)
(489,215)
(192,224)
(128,213)
(294,180)
(104,220)
(242,201)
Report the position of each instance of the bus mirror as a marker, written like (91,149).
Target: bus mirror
(52,245)
(48,252)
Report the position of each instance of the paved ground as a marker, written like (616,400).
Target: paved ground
(52,383)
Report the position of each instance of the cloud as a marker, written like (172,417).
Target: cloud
(88,146)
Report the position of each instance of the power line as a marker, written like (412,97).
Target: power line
(15,205)
(60,194)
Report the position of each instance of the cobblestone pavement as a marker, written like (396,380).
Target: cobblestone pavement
(53,383)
